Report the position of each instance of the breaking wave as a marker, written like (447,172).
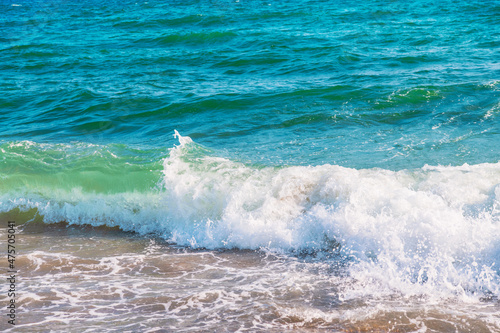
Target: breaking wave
(434,230)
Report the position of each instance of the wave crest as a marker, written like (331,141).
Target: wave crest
(434,227)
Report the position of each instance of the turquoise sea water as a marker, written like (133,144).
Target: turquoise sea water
(363,135)
(372,84)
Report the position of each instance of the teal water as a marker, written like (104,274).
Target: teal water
(365,134)
(373,84)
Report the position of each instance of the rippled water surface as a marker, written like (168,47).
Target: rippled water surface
(269,166)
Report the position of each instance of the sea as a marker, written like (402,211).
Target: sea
(250,166)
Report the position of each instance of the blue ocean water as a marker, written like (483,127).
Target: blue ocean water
(374,84)
(367,132)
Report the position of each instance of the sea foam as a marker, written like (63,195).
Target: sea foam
(431,229)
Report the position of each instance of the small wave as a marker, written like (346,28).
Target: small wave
(177,22)
(193,38)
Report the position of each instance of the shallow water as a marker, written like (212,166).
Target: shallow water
(84,278)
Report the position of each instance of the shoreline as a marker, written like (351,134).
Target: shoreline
(101,276)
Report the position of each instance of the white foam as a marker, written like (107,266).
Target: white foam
(438,226)
(432,230)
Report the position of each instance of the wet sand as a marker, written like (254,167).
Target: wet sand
(87,279)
